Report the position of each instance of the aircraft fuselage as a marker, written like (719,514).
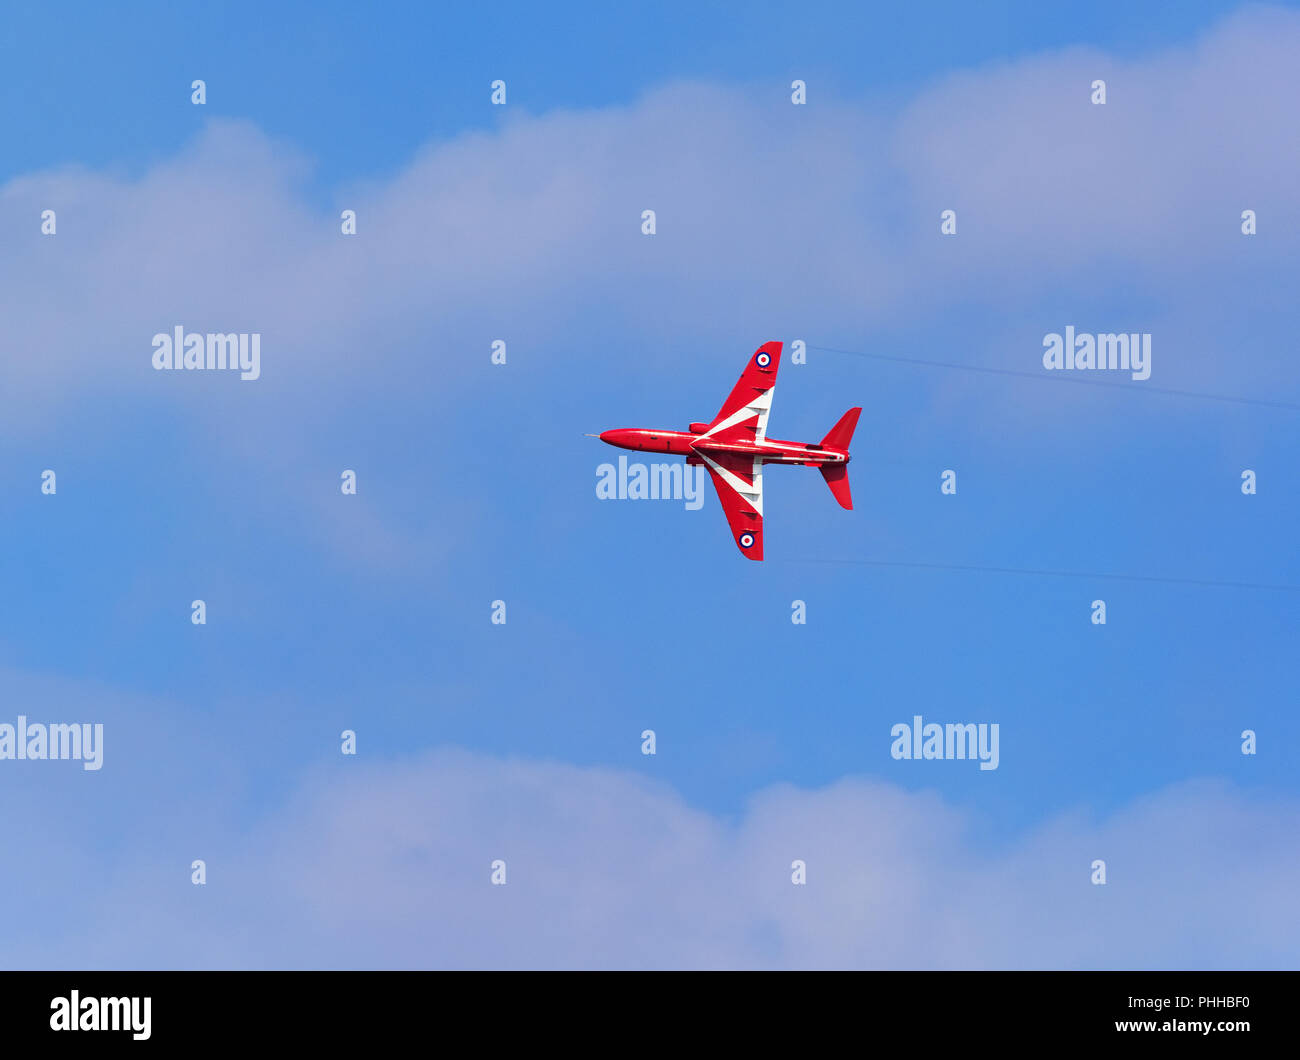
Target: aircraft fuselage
(686,443)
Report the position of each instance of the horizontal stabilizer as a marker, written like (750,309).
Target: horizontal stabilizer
(837,478)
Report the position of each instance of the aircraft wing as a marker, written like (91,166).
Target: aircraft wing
(743,416)
(739,482)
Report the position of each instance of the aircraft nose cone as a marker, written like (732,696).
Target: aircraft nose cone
(617,437)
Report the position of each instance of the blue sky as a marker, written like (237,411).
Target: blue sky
(361,90)
(522,741)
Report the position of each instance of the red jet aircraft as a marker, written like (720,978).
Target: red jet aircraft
(735,446)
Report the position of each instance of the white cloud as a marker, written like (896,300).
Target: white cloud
(822,218)
(386,864)
(1154,181)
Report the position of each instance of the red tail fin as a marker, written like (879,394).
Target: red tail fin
(837,478)
(837,475)
(842,433)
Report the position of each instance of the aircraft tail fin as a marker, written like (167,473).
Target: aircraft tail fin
(842,433)
(837,475)
(837,478)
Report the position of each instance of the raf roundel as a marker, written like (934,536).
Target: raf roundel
(746,540)
(763,359)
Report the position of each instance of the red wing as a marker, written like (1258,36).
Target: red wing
(743,416)
(739,482)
